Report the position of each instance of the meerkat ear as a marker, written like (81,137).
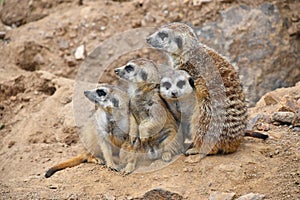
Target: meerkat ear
(178,41)
(115,102)
(144,75)
(191,81)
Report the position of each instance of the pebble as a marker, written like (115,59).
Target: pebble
(221,195)
(251,196)
(283,117)
(296,129)
(2,35)
(80,52)
(63,44)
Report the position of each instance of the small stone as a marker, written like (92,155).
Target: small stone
(270,100)
(109,197)
(102,28)
(80,52)
(11,143)
(185,169)
(251,196)
(288,104)
(296,129)
(71,62)
(2,35)
(276,135)
(2,126)
(283,117)
(221,195)
(13,98)
(53,187)
(263,127)
(38,59)
(63,44)
(199,2)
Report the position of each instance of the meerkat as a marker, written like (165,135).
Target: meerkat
(105,132)
(178,90)
(153,129)
(218,124)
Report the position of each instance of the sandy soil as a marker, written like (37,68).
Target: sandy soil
(37,128)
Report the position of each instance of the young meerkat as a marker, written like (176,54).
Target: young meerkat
(220,115)
(178,90)
(105,132)
(153,126)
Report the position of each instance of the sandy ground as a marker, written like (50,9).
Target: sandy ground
(37,128)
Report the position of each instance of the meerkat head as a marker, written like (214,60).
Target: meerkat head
(174,38)
(106,96)
(176,84)
(139,71)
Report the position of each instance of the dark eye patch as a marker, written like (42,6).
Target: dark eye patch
(129,68)
(180,84)
(100,92)
(144,75)
(167,85)
(163,35)
(178,41)
(115,102)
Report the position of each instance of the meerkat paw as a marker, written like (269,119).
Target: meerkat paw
(113,167)
(192,151)
(130,167)
(97,161)
(166,156)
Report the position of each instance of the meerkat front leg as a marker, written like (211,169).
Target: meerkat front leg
(133,130)
(108,154)
(155,123)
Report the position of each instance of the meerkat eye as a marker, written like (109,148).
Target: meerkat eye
(167,85)
(163,35)
(180,84)
(129,68)
(100,92)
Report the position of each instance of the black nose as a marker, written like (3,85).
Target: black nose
(174,94)
(148,39)
(117,71)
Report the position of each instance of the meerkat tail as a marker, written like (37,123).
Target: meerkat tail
(254,134)
(83,158)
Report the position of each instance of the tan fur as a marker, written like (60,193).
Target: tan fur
(199,61)
(102,136)
(153,129)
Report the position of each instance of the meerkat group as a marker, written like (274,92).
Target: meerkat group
(199,104)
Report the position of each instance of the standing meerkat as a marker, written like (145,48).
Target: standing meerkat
(220,115)
(153,124)
(178,90)
(105,132)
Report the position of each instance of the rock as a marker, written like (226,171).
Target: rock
(29,58)
(283,117)
(288,104)
(17,13)
(63,44)
(270,99)
(200,2)
(80,52)
(160,194)
(221,196)
(2,35)
(263,127)
(71,62)
(251,196)
(254,39)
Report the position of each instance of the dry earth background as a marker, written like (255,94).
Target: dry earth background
(38,39)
